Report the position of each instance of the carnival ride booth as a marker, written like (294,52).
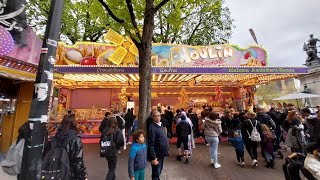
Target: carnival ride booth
(18,69)
(102,77)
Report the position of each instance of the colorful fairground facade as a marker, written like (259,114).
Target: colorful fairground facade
(95,78)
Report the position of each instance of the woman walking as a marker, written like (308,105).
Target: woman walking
(68,133)
(116,137)
(212,130)
(251,128)
(268,140)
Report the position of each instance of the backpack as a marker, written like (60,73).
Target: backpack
(13,160)
(55,164)
(107,145)
(255,135)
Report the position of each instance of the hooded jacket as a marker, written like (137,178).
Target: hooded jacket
(137,158)
(212,127)
(75,152)
(183,129)
(264,118)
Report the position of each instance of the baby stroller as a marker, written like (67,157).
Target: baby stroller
(293,165)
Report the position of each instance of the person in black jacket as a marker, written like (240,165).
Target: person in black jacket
(276,118)
(183,130)
(121,124)
(264,118)
(119,141)
(169,116)
(158,145)
(67,129)
(247,127)
(105,122)
(129,117)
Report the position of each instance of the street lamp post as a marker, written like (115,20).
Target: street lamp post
(38,117)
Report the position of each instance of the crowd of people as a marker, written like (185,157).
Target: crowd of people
(295,129)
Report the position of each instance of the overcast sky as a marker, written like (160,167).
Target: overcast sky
(281,26)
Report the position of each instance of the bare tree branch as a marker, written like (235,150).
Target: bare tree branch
(194,30)
(162,3)
(133,18)
(110,12)
(132,15)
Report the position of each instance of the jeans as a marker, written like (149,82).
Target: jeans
(157,169)
(240,155)
(128,129)
(252,149)
(124,137)
(112,164)
(268,156)
(139,175)
(213,147)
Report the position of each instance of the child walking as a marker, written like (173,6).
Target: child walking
(267,145)
(137,157)
(239,147)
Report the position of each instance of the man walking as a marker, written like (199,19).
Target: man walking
(158,145)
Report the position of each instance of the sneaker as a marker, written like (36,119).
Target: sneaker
(119,151)
(187,161)
(179,158)
(254,163)
(238,162)
(129,142)
(216,165)
(242,164)
(207,144)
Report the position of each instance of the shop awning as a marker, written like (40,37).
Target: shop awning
(19,70)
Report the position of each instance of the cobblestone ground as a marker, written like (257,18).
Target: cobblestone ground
(198,169)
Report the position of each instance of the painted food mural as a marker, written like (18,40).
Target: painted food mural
(123,52)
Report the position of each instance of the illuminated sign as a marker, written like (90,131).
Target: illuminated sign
(184,70)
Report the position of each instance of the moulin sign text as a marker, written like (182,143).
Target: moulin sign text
(211,52)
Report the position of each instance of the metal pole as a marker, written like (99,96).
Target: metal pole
(38,117)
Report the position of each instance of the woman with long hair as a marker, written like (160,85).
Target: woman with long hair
(68,131)
(212,130)
(296,137)
(113,131)
(267,145)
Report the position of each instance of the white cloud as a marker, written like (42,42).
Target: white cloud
(281,26)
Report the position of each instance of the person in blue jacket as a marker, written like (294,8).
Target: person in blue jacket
(237,142)
(138,157)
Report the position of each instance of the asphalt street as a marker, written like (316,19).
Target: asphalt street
(199,167)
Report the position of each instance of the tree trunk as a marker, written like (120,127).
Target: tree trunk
(145,65)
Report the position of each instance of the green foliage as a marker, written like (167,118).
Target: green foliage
(194,22)
(273,90)
(82,20)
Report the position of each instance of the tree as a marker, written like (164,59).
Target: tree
(130,16)
(200,23)
(83,20)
